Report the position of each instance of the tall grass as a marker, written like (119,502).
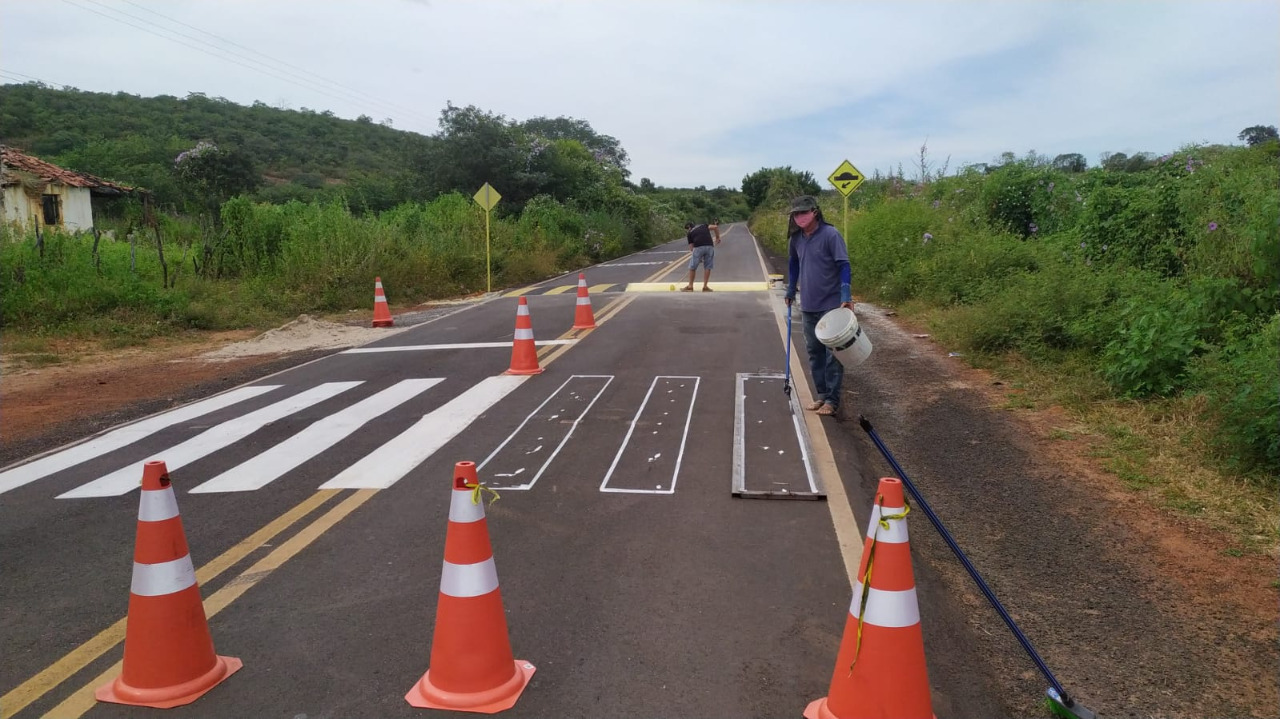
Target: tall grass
(266,262)
(1163,284)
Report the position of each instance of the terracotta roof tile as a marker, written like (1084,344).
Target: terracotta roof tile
(20,162)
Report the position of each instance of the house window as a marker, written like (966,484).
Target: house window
(52,206)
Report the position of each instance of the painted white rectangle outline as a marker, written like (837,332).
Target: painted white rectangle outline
(684,437)
(461,346)
(740,433)
(607,377)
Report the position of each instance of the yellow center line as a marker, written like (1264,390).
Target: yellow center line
(80,657)
(83,700)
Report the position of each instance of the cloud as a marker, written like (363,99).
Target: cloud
(703,93)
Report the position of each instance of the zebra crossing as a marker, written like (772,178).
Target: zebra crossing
(646,461)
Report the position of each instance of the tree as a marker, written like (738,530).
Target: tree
(1070,162)
(605,148)
(1259,134)
(755,186)
(1139,162)
(777,181)
(646,185)
(1114,161)
(210,175)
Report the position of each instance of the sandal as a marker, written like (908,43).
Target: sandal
(707,289)
(815,406)
(827,411)
(686,289)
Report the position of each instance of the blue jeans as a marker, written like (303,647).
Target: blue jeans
(828,373)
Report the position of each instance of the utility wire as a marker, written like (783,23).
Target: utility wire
(217,52)
(19,77)
(265,71)
(305,71)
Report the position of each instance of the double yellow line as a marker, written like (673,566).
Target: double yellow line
(77,659)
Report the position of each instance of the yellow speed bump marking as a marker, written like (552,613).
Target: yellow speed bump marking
(755,286)
(560,289)
(80,657)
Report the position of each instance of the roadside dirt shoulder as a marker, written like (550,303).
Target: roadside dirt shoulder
(1139,612)
(42,408)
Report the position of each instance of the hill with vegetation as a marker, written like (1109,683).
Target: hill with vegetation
(271,154)
(266,213)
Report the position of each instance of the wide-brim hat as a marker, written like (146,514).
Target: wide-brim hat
(803,203)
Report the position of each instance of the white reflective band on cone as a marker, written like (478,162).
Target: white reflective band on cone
(463,510)
(886,608)
(897,531)
(157,505)
(584,300)
(469,580)
(522,310)
(377,285)
(524,334)
(157,580)
(379,298)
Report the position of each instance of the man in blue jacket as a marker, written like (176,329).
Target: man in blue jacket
(819,260)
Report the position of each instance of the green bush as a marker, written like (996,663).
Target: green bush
(1241,382)
(1157,338)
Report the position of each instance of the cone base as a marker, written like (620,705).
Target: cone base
(818,709)
(535,370)
(384,323)
(117,692)
(584,326)
(424,695)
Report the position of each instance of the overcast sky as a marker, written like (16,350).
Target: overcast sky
(700,92)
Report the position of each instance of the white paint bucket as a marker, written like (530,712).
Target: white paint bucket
(839,330)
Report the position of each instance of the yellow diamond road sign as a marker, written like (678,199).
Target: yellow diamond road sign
(487,197)
(846,178)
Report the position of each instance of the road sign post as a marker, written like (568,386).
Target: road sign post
(846,179)
(487,197)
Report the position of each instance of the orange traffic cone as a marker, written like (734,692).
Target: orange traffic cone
(472,667)
(381,313)
(168,653)
(583,318)
(524,353)
(880,668)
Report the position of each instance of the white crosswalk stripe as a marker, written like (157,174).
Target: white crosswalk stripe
(389,463)
(257,472)
(126,479)
(122,437)
(309,436)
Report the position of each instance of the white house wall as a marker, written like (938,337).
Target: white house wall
(16,208)
(77,210)
(76,206)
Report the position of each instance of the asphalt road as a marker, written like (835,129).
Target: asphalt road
(316,504)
